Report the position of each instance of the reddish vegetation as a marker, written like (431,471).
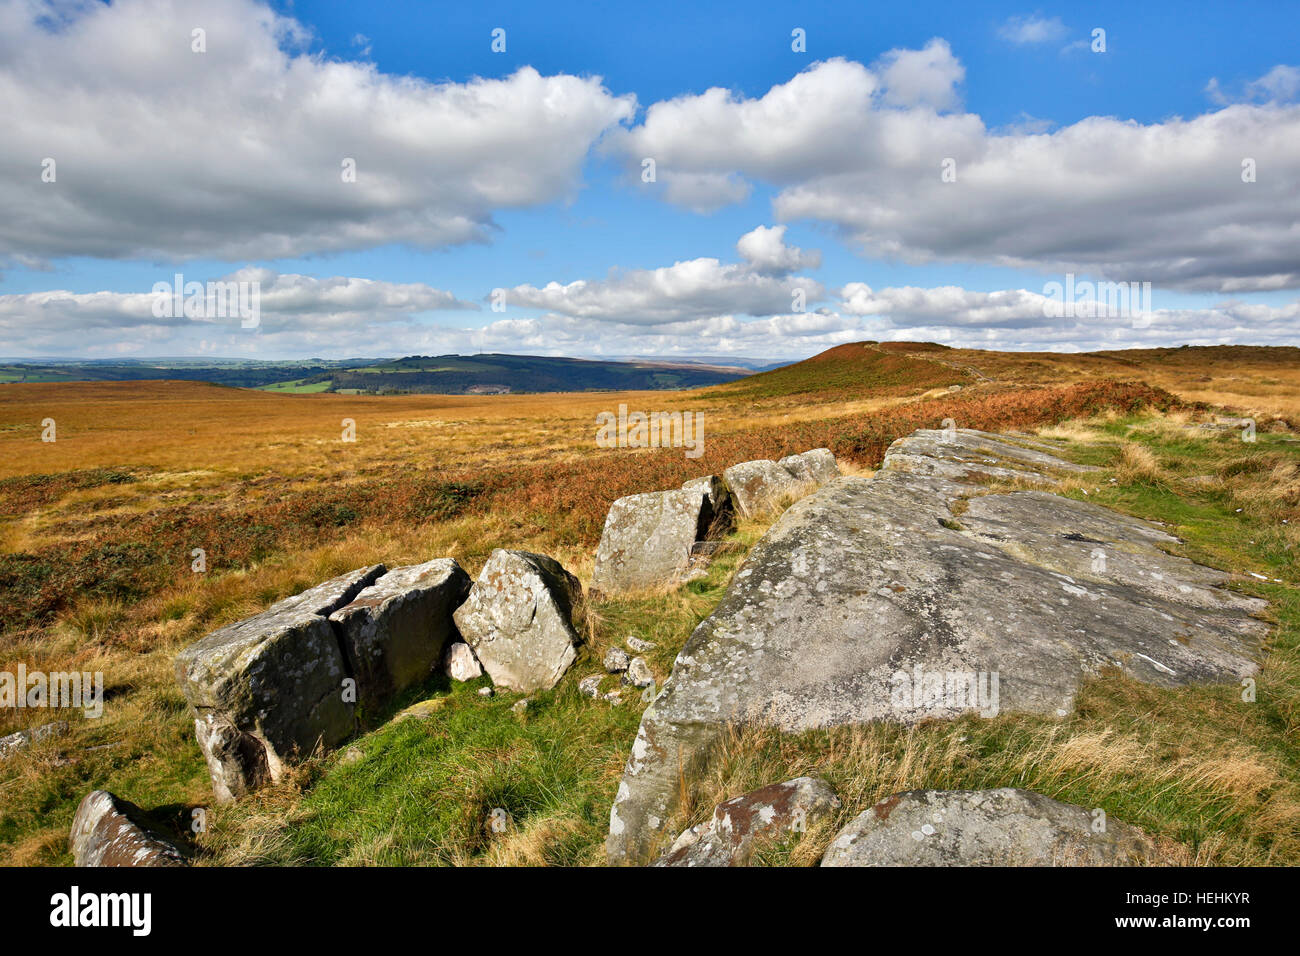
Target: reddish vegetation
(583,491)
(129,556)
(846,372)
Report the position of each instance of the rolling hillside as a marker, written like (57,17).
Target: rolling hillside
(418,374)
(495,373)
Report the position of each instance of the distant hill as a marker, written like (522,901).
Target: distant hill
(492,372)
(858,369)
(234,372)
(488,373)
(1246,377)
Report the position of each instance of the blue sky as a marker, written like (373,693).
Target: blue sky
(1068,160)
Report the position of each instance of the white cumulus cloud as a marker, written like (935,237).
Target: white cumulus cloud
(762,285)
(1163,202)
(238,152)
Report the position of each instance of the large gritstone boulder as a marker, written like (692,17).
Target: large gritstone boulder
(107,831)
(779,810)
(760,487)
(648,539)
(969,455)
(393,632)
(519,620)
(817,466)
(986,828)
(913,595)
(270,689)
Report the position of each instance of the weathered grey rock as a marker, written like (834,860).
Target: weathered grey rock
(394,631)
(108,831)
(639,645)
(817,466)
(461,664)
(759,487)
(872,600)
(647,539)
(775,811)
(589,686)
(616,660)
(269,689)
(985,828)
(964,454)
(22,739)
(518,618)
(1088,542)
(638,673)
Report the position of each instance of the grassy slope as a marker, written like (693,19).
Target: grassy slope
(1216,777)
(263,483)
(845,372)
(520,373)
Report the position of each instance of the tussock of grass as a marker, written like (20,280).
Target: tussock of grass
(1136,463)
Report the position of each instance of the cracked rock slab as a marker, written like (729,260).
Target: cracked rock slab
(107,831)
(1004,827)
(760,487)
(518,619)
(394,631)
(871,600)
(269,689)
(965,454)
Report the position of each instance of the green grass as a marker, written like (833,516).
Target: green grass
(423,789)
(299,386)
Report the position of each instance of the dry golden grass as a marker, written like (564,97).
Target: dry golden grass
(1255,381)
(1136,463)
(169,466)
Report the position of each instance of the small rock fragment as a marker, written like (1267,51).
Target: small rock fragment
(21,740)
(461,664)
(771,812)
(109,831)
(638,673)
